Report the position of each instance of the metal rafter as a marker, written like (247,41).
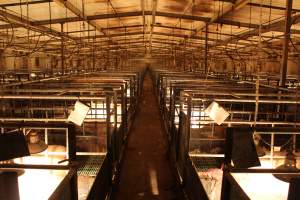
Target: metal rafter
(273,26)
(80,14)
(135,14)
(225,11)
(4,5)
(154,10)
(287,36)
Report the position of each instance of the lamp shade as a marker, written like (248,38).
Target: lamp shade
(13,145)
(244,154)
(216,113)
(290,165)
(258,145)
(35,144)
(79,113)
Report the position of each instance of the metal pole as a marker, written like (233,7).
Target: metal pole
(94,55)
(283,70)
(62,50)
(206,49)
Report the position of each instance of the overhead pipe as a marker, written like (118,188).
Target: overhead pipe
(49,97)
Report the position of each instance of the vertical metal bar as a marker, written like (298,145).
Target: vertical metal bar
(108,121)
(124,110)
(283,70)
(62,49)
(256,100)
(226,186)
(94,54)
(72,157)
(116,132)
(46,135)
(206,49)
(72,142)
(272,146)
(189,120)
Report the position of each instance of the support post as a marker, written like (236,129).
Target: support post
(62,49)
(94,55)
(72,160)
(287,30)
(206,49)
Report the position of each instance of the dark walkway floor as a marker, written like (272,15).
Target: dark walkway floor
(146,173)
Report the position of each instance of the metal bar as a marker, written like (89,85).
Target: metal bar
(146,12)
(154,10)
(34,166)
(108,123)
(51,97)
(28,82)
(12,119)
(288,18)
(256,101)
(262,170)
(248,100)
(24,3)
(62,50)
(206,49)
(271,6)
(236,5)
(72,159)
(251,123)
(81,15)
(30,25)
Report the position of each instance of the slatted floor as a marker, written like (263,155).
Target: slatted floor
(88,168)
(203,164)
(89,165)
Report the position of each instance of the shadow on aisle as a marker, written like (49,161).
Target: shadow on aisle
(146,173)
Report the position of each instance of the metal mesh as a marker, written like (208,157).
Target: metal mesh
(89,165)
(205,163)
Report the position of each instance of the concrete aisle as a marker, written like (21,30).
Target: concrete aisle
(146,173)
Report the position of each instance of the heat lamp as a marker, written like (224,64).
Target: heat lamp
(13,145)
(35,144)
(216,112)
(290,165)
(79,113)
(258,145)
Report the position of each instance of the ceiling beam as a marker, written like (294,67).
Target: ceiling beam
(271,7)
(134,14)
(154,10)
(24,3)
(80,14)
(273,26)
(25,23)
(28,24)
(124,14)
(238,4)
